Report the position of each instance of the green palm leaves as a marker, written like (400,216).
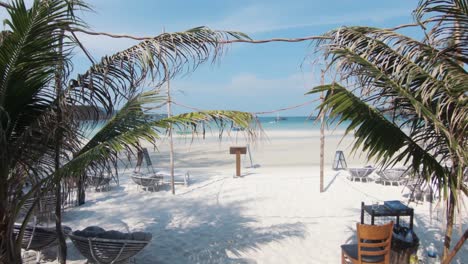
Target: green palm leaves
(399,84)
(35,115)
(407,100)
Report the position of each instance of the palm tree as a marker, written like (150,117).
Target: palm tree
(406,99)
(39,130)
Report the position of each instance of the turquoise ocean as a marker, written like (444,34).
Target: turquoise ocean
(268,123)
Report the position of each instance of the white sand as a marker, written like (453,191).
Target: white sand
(273,214)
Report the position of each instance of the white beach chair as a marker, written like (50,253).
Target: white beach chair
(180,176)
(420,191)
(394,177)
(360,174)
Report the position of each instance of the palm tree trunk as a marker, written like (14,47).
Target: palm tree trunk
(448,258)
(449,230)
(8,251)
(62,254)
(81,193)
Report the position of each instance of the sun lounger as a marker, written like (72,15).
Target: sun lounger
(38,238)
(43,209)
(420,192)
(103,247)
(147,182)
(392,176)
(180,176)
(100,183)
(360,174)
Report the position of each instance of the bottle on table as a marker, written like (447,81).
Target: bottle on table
(432,255)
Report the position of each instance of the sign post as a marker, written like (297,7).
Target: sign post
(238,151)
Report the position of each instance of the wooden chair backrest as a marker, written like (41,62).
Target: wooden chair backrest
(374,240)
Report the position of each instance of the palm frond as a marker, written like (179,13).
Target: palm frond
(382,68)
(199,122)
(166,55)
(380,138)
(450,30)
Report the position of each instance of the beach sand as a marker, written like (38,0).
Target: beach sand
(274,213)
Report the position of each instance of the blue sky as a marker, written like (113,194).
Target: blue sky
(248,77)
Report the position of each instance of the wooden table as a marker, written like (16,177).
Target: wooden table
(238,151)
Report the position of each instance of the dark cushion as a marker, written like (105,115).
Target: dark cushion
(95,231)
(141,236)
(112,234)
(351,250)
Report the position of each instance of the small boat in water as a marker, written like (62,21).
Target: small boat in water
(280,118)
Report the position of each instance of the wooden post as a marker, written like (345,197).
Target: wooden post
(322,137)
(238,151)
(169,114)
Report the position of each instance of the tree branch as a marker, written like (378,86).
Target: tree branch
(457,247)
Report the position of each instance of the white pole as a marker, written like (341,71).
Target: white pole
(322,138)
(171,141)
(169,114)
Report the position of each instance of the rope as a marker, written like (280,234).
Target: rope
(256,113)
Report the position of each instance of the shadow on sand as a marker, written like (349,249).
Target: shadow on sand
(187,231)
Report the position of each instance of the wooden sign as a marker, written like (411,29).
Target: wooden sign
(234,150)
(238,151)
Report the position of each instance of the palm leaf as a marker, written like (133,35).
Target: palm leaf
(380,138)
(166,55)
(451,25)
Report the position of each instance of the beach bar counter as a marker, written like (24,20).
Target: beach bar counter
(404,241)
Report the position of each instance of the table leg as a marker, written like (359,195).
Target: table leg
(362,212)
(411,219)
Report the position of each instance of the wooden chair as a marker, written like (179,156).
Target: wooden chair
(373,245)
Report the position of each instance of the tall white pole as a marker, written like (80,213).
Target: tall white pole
(171,141)
(169,114)
(322,137)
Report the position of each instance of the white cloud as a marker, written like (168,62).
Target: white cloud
(261,19)
(247,92)
(256,18)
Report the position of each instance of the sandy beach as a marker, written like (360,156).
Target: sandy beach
(274,213)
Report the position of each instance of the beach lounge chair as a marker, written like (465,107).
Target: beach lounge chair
(420,191)
(100,183)
(105,247)
(43,209)
(180,176)
(360,174)
(38,238)
(373,245)
(147,183)
(394,177)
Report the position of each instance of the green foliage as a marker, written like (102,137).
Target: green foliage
(407,100)
(36,116)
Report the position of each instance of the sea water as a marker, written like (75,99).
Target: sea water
(268,123)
